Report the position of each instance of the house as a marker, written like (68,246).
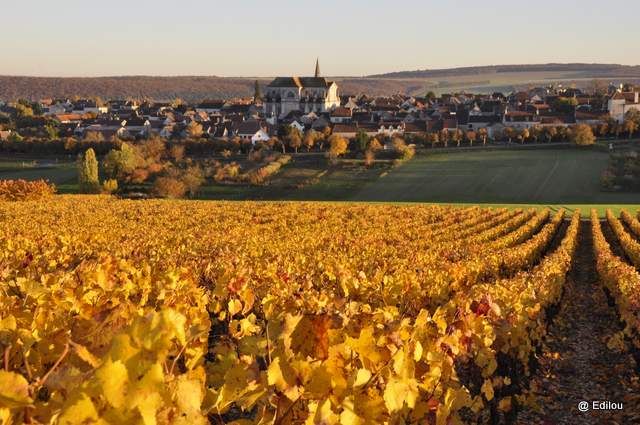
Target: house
(622,102)
(211,106)
(340,115)
(305,94)
(347,131)
(56,109)
(88,107)
(252,130)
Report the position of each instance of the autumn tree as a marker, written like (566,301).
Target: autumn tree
(471,136)
(88,179)
(293,138)
(508,133)
(194,130)
(457,136)
(483,135)
(374,145)
(192,178)
(337,146)
(550,133)
(169,187)
(309,139)
(582,135)
(631,121)
(445,136)
(177,153)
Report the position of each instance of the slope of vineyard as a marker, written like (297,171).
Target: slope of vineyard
(192,312)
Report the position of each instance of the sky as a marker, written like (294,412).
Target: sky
(265,38)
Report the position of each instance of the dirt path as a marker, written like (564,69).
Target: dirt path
(576,364)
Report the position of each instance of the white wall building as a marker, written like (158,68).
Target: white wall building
(620,103)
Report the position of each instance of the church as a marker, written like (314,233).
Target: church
(305,94)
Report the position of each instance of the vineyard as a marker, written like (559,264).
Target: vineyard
(186,312)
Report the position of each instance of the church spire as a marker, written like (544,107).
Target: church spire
(317,68)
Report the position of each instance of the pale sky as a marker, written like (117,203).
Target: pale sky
(283,37)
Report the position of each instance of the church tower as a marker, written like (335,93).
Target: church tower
(317,74)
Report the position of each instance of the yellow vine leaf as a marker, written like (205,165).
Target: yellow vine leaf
(14,390)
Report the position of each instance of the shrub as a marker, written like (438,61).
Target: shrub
(110,186)
(169,187)
(22,190)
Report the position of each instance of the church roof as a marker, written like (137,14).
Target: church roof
(300,82)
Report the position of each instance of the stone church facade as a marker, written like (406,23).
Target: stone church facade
(305,94)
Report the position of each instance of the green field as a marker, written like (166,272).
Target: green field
(567,178)
(61,173)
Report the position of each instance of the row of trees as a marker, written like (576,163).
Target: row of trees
(171,174)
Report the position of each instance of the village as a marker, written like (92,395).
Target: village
(314,104)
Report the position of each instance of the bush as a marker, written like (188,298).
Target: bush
(169,187)
(110,186)
(22,190)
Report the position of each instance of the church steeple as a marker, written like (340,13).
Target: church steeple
(317,68)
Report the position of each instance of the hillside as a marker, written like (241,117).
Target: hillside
(600,70)
(194,88)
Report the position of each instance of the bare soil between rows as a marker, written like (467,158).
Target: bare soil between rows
(575,364)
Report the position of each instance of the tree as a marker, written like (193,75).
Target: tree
(445,136)
(194,130)
(483,135)
(51,131)
(88,172)
(119,163)
(177,153)
(457,136)
(508,133)
(374,145)
(603,129)
(630,127)
(583,135)
(550,133)
(169,187)
(110,186)
(337,146)
(192,178)
(362,140)
(294,140)
(471,136)
(309,139)
(631,121)
(536,131)
(434,139)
